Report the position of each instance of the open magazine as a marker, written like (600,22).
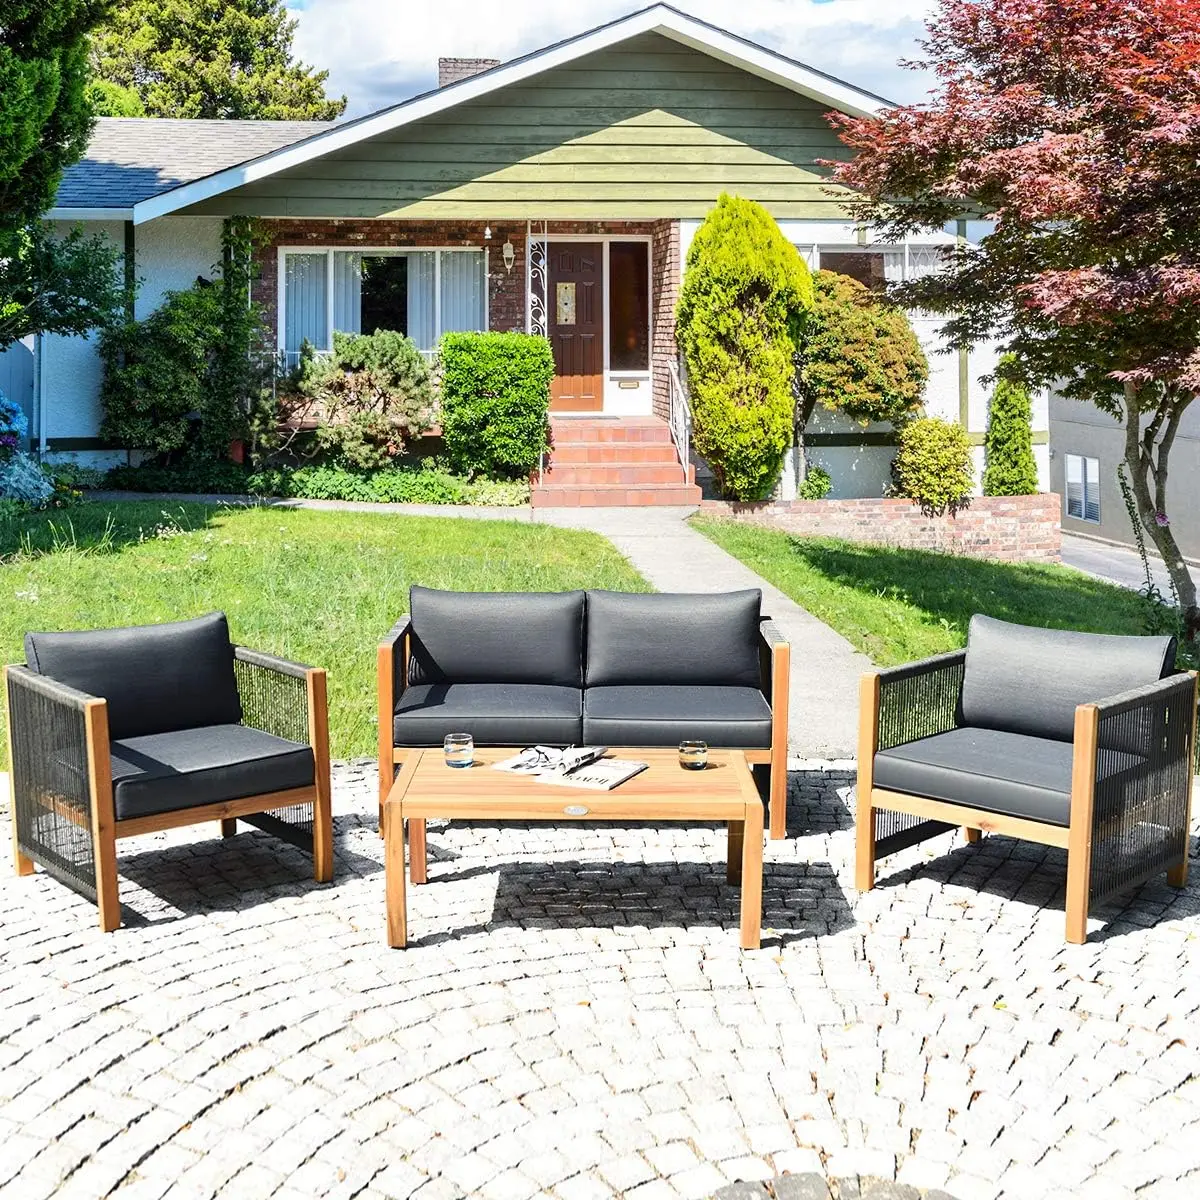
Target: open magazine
(576,766)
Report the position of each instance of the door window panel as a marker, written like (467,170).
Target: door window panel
(629,306)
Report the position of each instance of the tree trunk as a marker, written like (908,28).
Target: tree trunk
(1147,455)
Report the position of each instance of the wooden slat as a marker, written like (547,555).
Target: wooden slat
(864,820)
(21,862)
(1083,801)
(318,739)
(1177,876)
(385,677)
(781,666)
(752,865)
(134,826)
(975,818)
(104,836)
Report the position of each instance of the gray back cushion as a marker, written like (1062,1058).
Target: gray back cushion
(673,638)
(156,678)
(496,637)
(1028,680)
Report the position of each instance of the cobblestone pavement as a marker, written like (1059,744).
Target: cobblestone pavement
(574,1019)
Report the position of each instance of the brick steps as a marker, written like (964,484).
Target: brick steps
(624,462)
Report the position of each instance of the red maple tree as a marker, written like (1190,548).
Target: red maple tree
(1073,125)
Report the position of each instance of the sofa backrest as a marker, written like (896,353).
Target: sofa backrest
(1028,680)
(496,637)
(156,678)
(673,638)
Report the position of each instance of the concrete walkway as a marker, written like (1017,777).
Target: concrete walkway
(674,558)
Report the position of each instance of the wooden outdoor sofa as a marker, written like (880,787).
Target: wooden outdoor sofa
(596,667)
(1081,741)
(119,732)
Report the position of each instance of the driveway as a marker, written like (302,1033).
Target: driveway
(1114,563)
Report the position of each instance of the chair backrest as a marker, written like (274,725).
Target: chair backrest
(1028,680)
(156,678)
(673,638)
(496,637)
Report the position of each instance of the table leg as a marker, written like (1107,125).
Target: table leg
(393,866)
(416,850)
(752,873)
(733,855)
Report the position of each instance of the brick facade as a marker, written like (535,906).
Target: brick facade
(1008,528)
(506,289)
(451,70)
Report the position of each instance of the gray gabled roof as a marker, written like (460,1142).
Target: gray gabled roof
(130,159)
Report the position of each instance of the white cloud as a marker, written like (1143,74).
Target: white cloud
(379,52)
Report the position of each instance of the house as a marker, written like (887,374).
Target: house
(1086,448)
(556,193)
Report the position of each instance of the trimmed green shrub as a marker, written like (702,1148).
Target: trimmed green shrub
(933,465)
(424,484)
(495,402)
(218,478)
(858,355)
(372,394)
(741,309)
(816,486)
(1010,468)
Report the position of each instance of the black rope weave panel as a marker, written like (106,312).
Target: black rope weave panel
(50,789)
(1143,786)
(915,701)
(274,695)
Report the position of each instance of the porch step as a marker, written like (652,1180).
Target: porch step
(576,453)
(627,474)
(616,495)
(572,431)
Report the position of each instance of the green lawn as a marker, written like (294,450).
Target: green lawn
(319,587)
(901,605)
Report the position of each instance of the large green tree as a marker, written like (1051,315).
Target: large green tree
(207,58)
(47,283)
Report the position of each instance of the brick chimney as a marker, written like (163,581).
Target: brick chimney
(451,70)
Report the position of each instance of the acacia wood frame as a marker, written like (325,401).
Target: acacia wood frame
(1076,839)
(106,828)
(776,655)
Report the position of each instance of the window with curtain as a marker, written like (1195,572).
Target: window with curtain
(421,293)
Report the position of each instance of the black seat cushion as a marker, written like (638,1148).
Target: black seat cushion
(1027,680)
(995,770)
(156,678)
(673,638)
(164,772)
(663,715)
(496,637)
(494,714)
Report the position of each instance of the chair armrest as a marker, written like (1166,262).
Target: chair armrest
(53,762)
(1143,763)
(277,695)
(919,699)
(772,645)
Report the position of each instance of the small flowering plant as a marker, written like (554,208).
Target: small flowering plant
(13,426)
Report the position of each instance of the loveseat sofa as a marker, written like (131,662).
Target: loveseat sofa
(583,668)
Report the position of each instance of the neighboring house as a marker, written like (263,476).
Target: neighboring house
(556,194)
(1087,446)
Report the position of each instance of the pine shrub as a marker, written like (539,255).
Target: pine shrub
(1008,445)
(741,309)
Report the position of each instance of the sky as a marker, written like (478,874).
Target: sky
(380,51)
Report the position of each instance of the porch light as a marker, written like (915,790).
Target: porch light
(509,254)
(487,233)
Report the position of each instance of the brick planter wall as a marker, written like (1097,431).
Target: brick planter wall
(1009,528)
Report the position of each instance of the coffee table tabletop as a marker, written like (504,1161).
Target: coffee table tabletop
(665,791)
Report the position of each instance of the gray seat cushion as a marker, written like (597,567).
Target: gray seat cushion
(663,715)
(156,678)
(495,714)
(496,637)
(165,772)
(1027,680)
(995,770)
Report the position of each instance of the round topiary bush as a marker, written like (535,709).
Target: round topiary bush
(1011,469)
(933,465)
(743,301)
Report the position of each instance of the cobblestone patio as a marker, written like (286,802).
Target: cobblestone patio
(574,1018)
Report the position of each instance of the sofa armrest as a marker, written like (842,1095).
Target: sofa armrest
(276,694)
(771,643)
(1140,760)
(918,699)
(60,778)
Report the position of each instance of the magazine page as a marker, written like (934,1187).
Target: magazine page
(602,775)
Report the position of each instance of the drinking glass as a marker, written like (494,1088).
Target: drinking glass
(459,749)
(693,756)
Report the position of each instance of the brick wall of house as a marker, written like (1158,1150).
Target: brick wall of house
(1009,528)
(506,289)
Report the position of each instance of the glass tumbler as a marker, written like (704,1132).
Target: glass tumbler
(459,749)
(693,756)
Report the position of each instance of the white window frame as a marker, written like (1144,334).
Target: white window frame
(1084,495)
(374,252)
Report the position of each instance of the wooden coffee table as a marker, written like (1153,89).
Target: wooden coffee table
(724,791)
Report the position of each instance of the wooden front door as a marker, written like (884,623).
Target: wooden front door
(575,321)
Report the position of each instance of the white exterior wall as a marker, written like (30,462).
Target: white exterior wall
(865,470)
(170,253)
